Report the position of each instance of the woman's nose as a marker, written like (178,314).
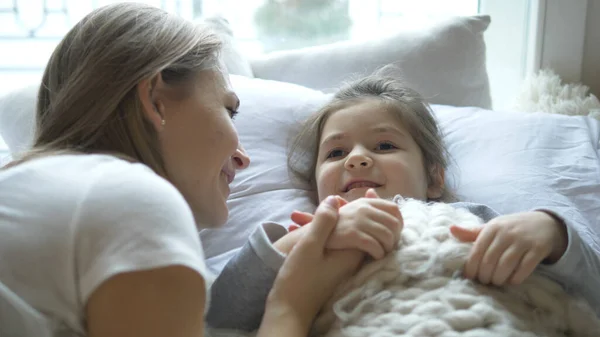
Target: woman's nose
(358,161)
(240,158)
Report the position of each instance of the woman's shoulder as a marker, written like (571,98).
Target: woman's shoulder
(98,172)
(73,167)
(91,184)
(130,219)
(117,189)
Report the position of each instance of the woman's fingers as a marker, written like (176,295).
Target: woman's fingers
(304,218)
(308,268)
(323,224)
(347,261)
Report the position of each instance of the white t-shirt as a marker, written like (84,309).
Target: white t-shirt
(70,222)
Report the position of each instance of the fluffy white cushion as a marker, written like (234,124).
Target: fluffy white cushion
(508,161)
(413,292)
(445,62)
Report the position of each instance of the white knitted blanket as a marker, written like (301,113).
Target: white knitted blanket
(417,291)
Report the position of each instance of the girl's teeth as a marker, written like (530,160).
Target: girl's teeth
(361,184)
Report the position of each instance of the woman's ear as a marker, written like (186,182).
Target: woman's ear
(435,190)
(152,104)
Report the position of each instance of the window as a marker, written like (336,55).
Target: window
(29,30)
(268,25)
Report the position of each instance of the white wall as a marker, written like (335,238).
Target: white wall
(591,55)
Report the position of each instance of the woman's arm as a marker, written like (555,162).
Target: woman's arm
(308,277)
(139,269)
(152,303)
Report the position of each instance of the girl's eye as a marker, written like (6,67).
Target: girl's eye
(232,113)
(335,153)
(386,146)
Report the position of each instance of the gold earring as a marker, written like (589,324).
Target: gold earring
(162,122)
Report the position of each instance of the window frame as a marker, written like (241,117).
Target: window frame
(554,37)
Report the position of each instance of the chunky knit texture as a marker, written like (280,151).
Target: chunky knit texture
(418,291)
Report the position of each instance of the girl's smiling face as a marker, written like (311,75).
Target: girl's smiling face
(364,145)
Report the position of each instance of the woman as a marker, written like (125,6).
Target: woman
(135,145)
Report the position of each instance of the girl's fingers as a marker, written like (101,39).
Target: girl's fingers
(371,193)
(526,267)
(341,200)
(369,245)
(465,234)
(507,265)
(388,207)
(489,262)
(479,249)
(385,228)
(301,218)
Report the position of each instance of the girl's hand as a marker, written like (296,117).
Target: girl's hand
(509,248)
(308,276)
(369,224)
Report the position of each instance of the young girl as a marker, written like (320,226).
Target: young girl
(378,138)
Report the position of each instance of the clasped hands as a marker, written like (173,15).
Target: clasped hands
(507,249)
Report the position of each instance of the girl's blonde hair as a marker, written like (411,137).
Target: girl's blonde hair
(88,100)
(407,106)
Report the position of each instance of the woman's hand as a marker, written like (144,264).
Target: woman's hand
(308,276)
(369,224)
(508,248)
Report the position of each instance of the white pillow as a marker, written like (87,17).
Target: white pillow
(444,62)
(514,162)
(17,118)
(508,161)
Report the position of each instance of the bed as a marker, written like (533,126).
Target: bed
(509,160)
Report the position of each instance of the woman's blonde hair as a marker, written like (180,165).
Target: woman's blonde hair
(406,105)
(88,100)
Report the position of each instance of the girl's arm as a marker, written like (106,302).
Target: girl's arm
(239,293)
(570,261)
(578,268)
